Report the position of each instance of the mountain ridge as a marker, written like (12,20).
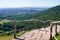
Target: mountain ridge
(48,14)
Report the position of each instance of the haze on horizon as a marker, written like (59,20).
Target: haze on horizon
(28,3)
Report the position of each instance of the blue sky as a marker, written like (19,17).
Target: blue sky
(28,3)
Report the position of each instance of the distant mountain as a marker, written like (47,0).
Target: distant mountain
(8,12)
(49,14)
(17,11)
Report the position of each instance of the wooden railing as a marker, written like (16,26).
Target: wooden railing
(51,26)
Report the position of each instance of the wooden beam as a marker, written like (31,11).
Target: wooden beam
(35,23)
(14,28)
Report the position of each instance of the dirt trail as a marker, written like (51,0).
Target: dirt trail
(39,34)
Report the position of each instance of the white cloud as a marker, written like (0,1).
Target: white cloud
(28,3)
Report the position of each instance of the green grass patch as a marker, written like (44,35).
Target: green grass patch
(4,21)
(57,36)
(5,37)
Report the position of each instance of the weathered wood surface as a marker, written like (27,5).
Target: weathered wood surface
(40,34)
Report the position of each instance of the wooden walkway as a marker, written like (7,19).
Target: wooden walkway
(39,34)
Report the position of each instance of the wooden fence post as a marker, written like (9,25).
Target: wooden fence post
(14,28)
(56,29)
(51,30)
(35,23)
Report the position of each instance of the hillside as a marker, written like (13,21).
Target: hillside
(10,11)
(49,14)
(18,12)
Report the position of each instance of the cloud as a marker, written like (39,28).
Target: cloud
(28,3)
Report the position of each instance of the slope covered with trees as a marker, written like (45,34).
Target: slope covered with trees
(49,14)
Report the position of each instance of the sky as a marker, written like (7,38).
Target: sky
(28,3)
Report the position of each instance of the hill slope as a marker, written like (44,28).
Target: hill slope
(49,14)
(10,12)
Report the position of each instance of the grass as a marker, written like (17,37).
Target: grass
(20,33)
(4,21)
(5,37)
(10,37)
(57,36)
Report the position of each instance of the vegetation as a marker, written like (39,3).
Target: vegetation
(5,37)
(8,27)
(49,14)
(57,36)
